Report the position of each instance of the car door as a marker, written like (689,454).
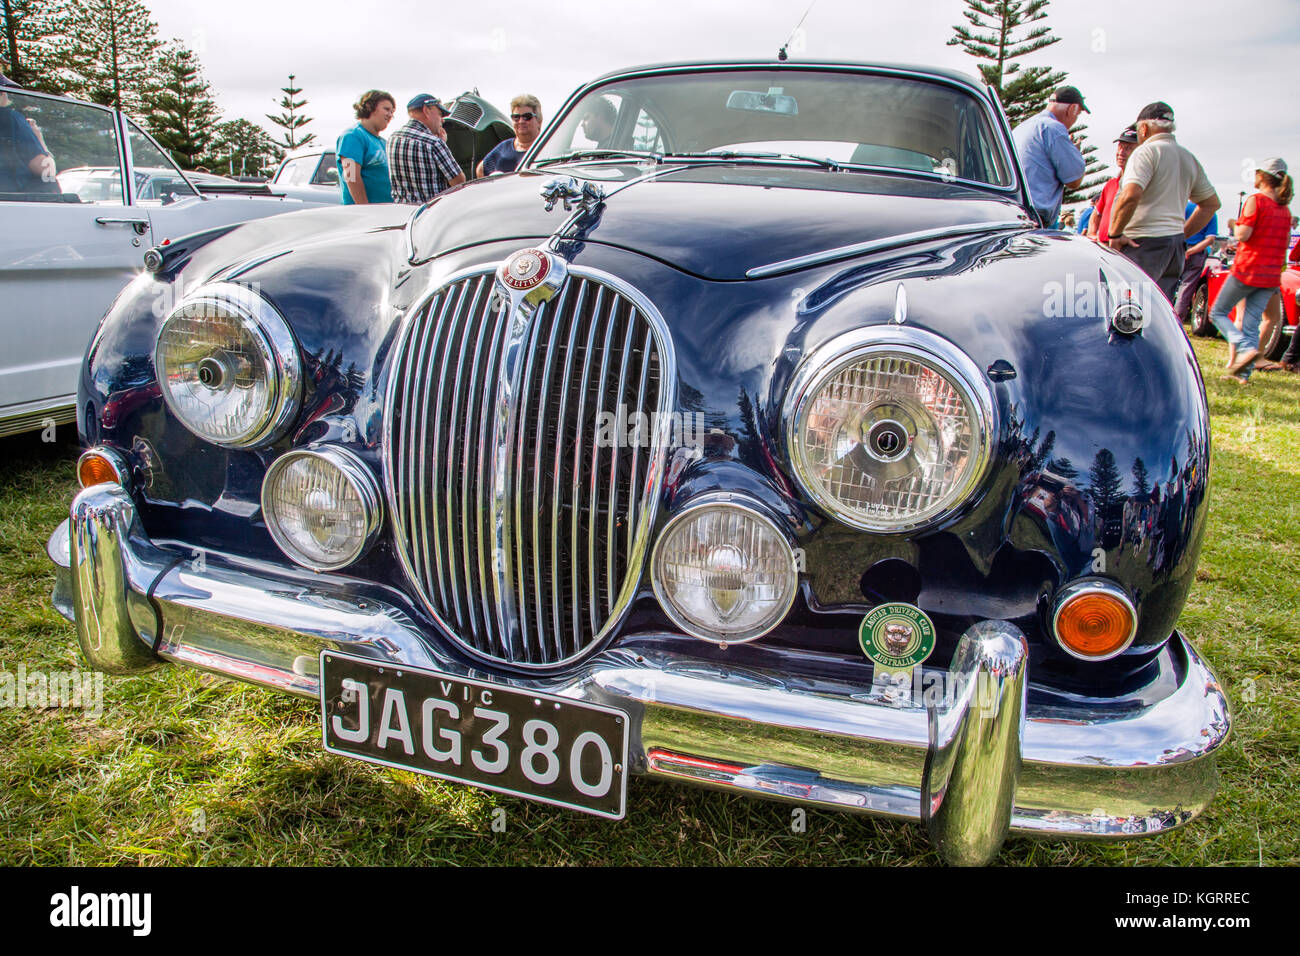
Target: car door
(68,244)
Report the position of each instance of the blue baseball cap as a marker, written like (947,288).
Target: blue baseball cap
(422,100)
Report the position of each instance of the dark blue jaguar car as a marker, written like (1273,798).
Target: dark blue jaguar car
(752,434)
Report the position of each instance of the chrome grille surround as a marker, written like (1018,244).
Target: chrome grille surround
(523,536)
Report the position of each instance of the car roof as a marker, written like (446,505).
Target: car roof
(958,76)
(307,151)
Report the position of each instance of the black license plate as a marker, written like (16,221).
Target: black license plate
(532,745)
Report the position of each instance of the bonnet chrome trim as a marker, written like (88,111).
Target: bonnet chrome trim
(878,245)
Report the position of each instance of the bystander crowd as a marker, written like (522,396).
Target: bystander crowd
(419,161)
(1051,159)
(361,157)
(1262,231)
(1147,221)
(1198,244)
(1099,224)
(526,115)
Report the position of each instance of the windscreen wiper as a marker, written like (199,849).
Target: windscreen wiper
(729,154)
(601,154)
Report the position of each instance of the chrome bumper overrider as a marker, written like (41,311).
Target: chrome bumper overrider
(972,767)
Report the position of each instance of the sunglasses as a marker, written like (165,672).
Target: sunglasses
(516,117)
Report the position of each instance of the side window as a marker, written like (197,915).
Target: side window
(646,133)
(55,150)
(156,176)
(328,172)
(297,172)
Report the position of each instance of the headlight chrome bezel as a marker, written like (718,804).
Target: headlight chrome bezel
(281,361)
(750,509)
(909,343)
(357,474)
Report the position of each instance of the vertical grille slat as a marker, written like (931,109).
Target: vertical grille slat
(544,640)
(611,523)
(576,497)
(576,510)
(558,604)
(593,514)
(640,406)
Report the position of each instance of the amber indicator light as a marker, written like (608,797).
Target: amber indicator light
(1094,624)
(95,470)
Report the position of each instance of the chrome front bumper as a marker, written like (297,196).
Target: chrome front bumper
(973,764)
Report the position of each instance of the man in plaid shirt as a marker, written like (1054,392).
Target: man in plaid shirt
(419,162)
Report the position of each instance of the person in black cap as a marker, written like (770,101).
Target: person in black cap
(1148,222)
(1051,160)
(419,161)
(1099,226)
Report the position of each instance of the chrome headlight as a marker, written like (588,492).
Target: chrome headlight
(724,572)
(322,506)
(890,428)
(228,366)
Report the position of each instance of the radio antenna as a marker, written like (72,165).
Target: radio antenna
(780,54)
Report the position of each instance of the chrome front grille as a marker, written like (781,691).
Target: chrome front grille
(533,564)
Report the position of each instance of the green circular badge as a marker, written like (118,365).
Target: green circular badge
(897,635)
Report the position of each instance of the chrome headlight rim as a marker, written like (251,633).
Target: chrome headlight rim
(751,508)
(357,473)
(907,342)
(284,368)
(1093,586)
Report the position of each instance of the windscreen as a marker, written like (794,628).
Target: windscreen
(849,119)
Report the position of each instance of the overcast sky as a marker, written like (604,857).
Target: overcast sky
(1223,67)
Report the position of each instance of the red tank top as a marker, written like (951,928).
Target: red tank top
(1262,258)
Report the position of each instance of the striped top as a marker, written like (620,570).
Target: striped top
(1261,259)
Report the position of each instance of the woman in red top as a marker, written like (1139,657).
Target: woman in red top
(1262,231)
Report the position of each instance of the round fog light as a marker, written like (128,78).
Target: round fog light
(322,507)
(1094,620)
(724,572)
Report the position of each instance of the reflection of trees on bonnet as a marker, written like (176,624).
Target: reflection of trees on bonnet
(1107,497)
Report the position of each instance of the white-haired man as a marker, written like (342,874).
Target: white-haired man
(1051,159)
(1147,222)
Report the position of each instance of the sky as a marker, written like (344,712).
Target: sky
(1223,68)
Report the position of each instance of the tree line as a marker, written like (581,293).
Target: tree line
(109,52)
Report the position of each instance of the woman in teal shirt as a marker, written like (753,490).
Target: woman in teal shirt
(361,157)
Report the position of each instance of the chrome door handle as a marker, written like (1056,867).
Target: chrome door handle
(141,226)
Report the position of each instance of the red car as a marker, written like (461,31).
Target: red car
(1217,266)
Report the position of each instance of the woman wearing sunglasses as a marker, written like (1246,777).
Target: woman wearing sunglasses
(526,115)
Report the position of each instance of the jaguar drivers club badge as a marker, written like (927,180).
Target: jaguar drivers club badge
(525,269)
(897,636)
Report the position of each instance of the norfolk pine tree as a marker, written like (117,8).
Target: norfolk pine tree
(36,51)
(291,121)
(182,113)
(113,49)
(1001,31)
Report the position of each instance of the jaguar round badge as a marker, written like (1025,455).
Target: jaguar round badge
(525,269)
(897,635)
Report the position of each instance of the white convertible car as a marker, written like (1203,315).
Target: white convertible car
(84,193)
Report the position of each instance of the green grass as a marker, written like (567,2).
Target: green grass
(185,768)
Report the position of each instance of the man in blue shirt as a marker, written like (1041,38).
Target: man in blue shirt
(1051,160)
(361,157)
(1198,245)
(25,164)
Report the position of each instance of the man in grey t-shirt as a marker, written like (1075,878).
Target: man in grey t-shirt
(1146,221)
